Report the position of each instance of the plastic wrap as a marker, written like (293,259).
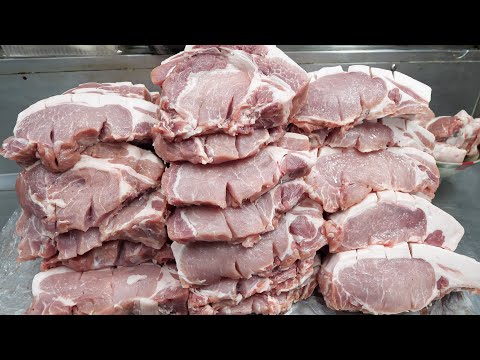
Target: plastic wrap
(16,280)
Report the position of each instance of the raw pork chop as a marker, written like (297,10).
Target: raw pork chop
(227,89)
(372,136)
(126,89)
(145,289)
(112,253)
(141,221)
(57,129)
(338,98)
(387,218)
(230,184)
(316,137)
(383,280)
(298,236)
(444,152)
(105,177)
(460,131)
(342,178)
(234,225)
(294,141)
(216,148)
(258,295)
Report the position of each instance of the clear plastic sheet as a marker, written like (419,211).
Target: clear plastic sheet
(16,280)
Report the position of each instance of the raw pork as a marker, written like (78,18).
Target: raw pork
(112,253)
(141,221)
(298,236)
(258,295)
(227,89)
(216,148)
(372,136)
(387,218)
(126,89)
(242,224)
(230,184)
(145,289)
(100,182)
(343,178)
(337,98)
(57,129)
(383,280)
(456,136)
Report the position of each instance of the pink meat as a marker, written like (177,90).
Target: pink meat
(388,218)
(56,130)
(227,89)
(112,253)
(205,223)
(142,289)
(141,221)
(298,236)
(106,176)
(216,148)
(337,98)
(343,178)
(265,296)
(232,183)
(383,280)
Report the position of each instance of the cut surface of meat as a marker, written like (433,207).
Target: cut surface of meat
(145,289)
(112,254)
(234,225)
(105,177)
(298,236)
(126,89)
(141,221)
(216,148)
(342,178)
(227,89)
(316,137)
(337,98)
(56,130)
(372,136)
(232,183)
(365,137)
(383,280)
(460,131)
(388,218)
(265,296)
(448,153)
(294,141)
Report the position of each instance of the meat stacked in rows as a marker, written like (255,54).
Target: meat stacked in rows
(390,249)
(277,181)
(91,202)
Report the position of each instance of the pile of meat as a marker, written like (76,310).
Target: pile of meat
(263,184)
(457,138)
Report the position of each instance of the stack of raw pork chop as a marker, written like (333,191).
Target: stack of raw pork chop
(276,181)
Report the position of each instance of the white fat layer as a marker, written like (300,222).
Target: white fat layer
(326,151)
(41,276)
(461,271)
(295,136)
(449,153)
(331,70)
(167,281)
(178,250)
(65,301)
(187,221)
(86,162)
(132,279)
(401,127)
